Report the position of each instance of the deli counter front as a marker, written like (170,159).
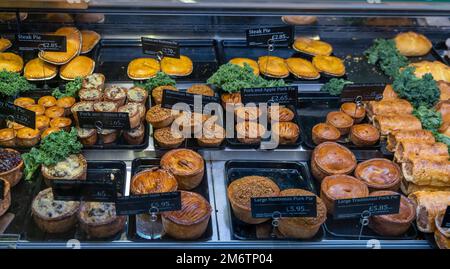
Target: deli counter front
(225,125)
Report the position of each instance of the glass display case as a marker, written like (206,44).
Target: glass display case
(117,39)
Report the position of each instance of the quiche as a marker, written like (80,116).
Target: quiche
(105,106)
(36,69)
(5,203)
(11,62)
(201,89)
(81,106)
(191,221)
(133,115)
(115,94)
(242,61)
(90,95)
(73,47)
(4,44)
(302,68)
(287,132)
(157,93)
(137,95)
(79,66)
(186,165)
(87,137)
(135,136)
(52,216)
(165,138)
(177,67)
(153,180)
(143,68)
(273,66)
(412,44)
(89,40)
(99,220)
(94,81)
(312,47)
(27,137)
(240,192)
(74,167)
(329,65)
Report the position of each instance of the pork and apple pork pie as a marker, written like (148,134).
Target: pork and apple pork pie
(324,132)
(341,121)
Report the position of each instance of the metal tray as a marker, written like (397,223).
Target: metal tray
(285,174)
(115,55)
(145,163)
(25,192)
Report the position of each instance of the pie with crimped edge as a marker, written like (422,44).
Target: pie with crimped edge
(4,44)
(288,132)
(11,62)
(302,68)
(329,65)
(252,63)
(312,47)
(143,68)
(153,180)
(37,69)
(80,66)
(272,66)
(186,165)
(177,67)
(73,47)
(89,40)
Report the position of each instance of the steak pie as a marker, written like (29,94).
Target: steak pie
(89,40)
(36,69)
(242,61)
(329,65)
(143,68)
(302,68)
(273,66)
(312,47)
(73,47)
(11,62)
(177,67)
(80,66)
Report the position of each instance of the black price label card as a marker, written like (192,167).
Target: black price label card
(170,98)
(2,189)
(84,190)
(167,48)
(18,114)
(30,41)
(376,205)
(446,220)
(284,206)
(287,95)
(363,92)
(104,120)
(155,202)
(262,36)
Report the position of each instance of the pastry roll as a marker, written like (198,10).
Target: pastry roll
(445,128)
(396,122)
(409,187)
(438,70)
(429,204)
(392,106)
(412,44)
(427,172)
(441,234)
(389,93)
(444,109)
(418,136)
(444,88)
(407,150)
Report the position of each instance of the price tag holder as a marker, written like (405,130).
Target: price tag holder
(18,114)
(170,98)
(31,41)
(365,92)
(132,205)
(104,120)
(376,205)
(2,189)
(262,36)
(446,220)
(285,206)
(84,190)
(166,48)
(287,95)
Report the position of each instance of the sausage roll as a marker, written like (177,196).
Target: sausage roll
(407,150)
(389,93)
(444,109)
(418,136)
(391,106)
(429,204)
(444,88)
(409,187)
(396,122)
(427,172)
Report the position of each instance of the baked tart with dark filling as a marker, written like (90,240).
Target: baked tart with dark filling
(153,180)
(200,89)
(79,66)
(302,68)
(241,190)
(177,67)
(165,138)
(53,216)
(157,92)
(143,68)
(329,65)
(186,165)
(273,66)
(364,135)
(341,121)
(358,113)
(249,132)
(330,158)
(73,167)
(287,132)
(36,69)
(159,117)
(47,101)
(89,40)
(99,220)
(312,47)
(324,132)
(12,169)
(379,174)
(242,61)
(191,221)
(5,203)
(11,62)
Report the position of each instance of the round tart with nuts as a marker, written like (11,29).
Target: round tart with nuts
(157,93)
(186,165)
(168,139)
(159,117)
(201,89)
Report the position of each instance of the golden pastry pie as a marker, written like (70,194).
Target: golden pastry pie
(273,66)
(248,113)
(358,113)
(324,132)
(201,89)
(37,69)
(24,101)
(88,40)
(329,65)
(66,102)
(312,47)
(341,121)
(438,70)
(143,68)
(165,138)
(27,137)
(7,138)
(87,137)
(11,62)
(73,47)
(302,68)
(412,44)
(49,131)
(47,101)
(177,67)
(242,61)
(191,221)
(80,66)
(135,136)
(249,132)
(157,93)
(287,132)
(284,114)
(212,135)
(379,174)
(54,112)
(62,123)
(4,44)
(153,180)
(14,125)
(186,165)
(159,117)
(38,109)
(330,158)
(364,135)
(42,122)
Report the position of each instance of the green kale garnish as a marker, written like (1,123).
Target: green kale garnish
(418,91)
(335,86)
(384,53)
(161,79)
(71,89)
(12,84)
(233,78)
(430,118)
(54,148)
